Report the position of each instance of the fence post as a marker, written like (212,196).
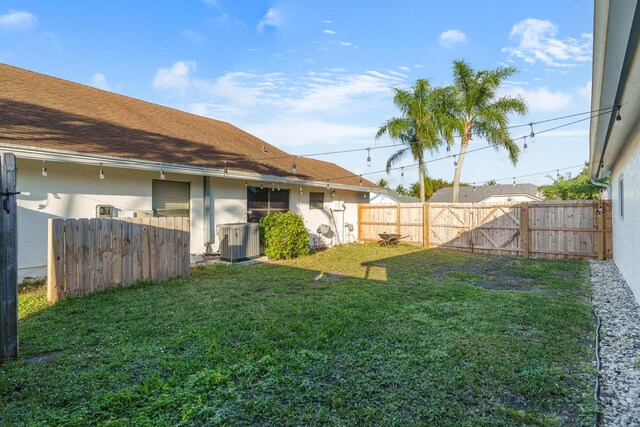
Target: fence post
(398,220)
(524,228)
(55,261)
(8,259)
(359,222)
(425,225)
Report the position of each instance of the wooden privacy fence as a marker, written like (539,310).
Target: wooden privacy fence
(575,229)
(88,255)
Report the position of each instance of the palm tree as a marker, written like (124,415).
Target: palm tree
(383,183)
(420,125)
(401,190)
(478,112)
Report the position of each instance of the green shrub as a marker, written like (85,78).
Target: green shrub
(284,235)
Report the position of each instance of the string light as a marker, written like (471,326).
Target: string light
(558,173)
(455,161)
(618,116)
(301,189)
(333,193)
(474,186)
(226,172)
(369,157)
(44,168)
(293,166)
(524,147)
(278,188)
(514,181)
(261,187)
(448,148)
(101,173)
(532,134)
(360,180)
(328,185)
(162,176)
(402,173)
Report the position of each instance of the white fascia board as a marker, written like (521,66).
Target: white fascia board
(64,156)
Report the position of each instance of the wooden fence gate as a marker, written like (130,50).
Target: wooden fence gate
(576,229)
(87,255)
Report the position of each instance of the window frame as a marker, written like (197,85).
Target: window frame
(254,214)
(316,204)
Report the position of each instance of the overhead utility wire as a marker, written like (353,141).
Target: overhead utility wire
(353,150)
(455,155)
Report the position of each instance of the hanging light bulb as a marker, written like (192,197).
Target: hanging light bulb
(273,186)
(448,148)
(361,180)
(278,188)
(162,176)
(226,172)
(44,168)
(402,173)
(294,169)
(369,157)
(301,189)
(333,193)
(514,181)
(261,186)
(618,116)
(532,135)
(455,162)
(558,174)
(524,147)
(327,185)
(474,186)
(101,173)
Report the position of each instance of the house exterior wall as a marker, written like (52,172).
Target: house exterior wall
(382,199)
(74,191)
(626,229)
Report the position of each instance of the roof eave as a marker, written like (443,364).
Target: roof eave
(65,156)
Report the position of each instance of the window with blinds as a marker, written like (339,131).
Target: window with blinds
(316,200)
(170,198)
(263,201)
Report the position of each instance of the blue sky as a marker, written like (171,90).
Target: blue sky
(316,76)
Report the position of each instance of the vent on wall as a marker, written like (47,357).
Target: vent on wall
(239,241)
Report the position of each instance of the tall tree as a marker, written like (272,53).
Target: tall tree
(421,124)
(478,111)
(401,190)
(578,188)
(383,183)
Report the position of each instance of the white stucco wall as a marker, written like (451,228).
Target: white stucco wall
(626,230)
(381,199)
(73,191)
(229,198)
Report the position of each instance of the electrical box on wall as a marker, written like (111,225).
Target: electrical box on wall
(104,211)
(337,205)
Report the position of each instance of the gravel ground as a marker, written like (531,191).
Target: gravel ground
(619,345)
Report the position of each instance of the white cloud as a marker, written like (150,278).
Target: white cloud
(418,66)
(585,91)
(99,80)
(211,2)
(17,19)
(537,42)
(345,43)
(450,38)
(193,36)
(270,19)
(542,99)
(309,132)
(404,68)
(329,32)
(175,78)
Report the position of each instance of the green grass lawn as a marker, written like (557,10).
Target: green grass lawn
(352,335)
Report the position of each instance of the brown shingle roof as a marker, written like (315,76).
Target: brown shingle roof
(42,111)
(481,192)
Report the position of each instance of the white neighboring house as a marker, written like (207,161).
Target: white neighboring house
(614,145)
(390,197)
(498,193)
(83,151)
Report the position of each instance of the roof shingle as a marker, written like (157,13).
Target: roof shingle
(37,110)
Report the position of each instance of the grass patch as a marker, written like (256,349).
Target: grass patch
(352,335)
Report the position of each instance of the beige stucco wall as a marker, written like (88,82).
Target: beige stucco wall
(73,191)
(626,230)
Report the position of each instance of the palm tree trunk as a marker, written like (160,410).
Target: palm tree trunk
(421,175)
(456,175)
